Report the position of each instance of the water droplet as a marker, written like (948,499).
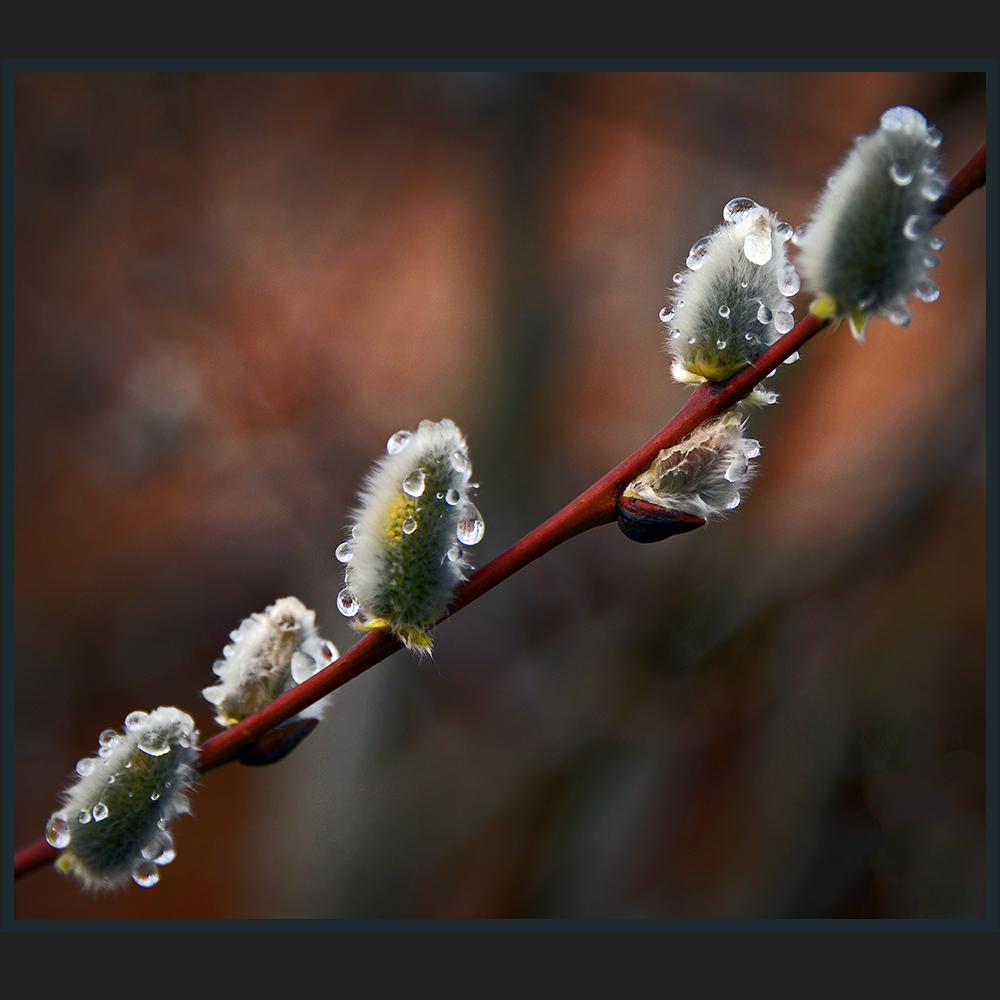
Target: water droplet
(902,172)
(398,442)
(738,209)
(935,242)
(783,321)
(678,277)
(345,552)
(167,851)
(470,527)
(784,231)
(145,874)
(724,311)
(460,463)
(903,117)
(108,738)
(751,448)
(155,744)
(933,189)
(789,283)
(898,313)
(83,818)
(152,849)
(85,766)
(452,497)
(737,469)
(720,344)
(136,720)
(735,502)
(757,246)
(913,228)
(154,796)
(57,831)
(763,315)
(927,291)
(100,812)
(414,483)
(932,260)
(800,235)
(934,137)
(697,252)
(666,314)
(347,604)
(455,553)
(409,526)
(792,358)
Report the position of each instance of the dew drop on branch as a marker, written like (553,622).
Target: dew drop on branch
(470,527)
(57,832)
(414,483)
(347,604)
(738,209)
(398,442)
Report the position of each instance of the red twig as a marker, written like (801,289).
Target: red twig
(595,506)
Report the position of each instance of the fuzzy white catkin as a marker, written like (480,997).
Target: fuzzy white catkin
(114,823)
(731,303)
(868,245)
(270,653)
(704,473)
(407,547)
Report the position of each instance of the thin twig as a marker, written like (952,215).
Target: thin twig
(595,506)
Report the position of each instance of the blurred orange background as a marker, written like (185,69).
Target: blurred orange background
(232,288)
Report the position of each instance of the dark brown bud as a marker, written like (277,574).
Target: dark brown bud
(643,521)
(277,743)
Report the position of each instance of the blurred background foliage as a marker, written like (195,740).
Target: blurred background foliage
(232,288)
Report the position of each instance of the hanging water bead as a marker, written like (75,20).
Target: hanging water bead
(414,483)
(414,510)
(470,527)
(347,604)
(783,322)
(902,172)
(397,442)
(927,291)
(697,253)
(738,209)
(57,831)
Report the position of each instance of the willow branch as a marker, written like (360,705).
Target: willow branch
(595,506)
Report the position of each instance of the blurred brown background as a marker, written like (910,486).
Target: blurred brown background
(232,288)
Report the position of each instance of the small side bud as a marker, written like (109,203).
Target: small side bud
(115,821)
(270,653)
(695,479)
(407,549)
(645,522)
(277,743)
(868,247)
(731,303)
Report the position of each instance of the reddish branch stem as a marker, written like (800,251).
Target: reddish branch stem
(595,506)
